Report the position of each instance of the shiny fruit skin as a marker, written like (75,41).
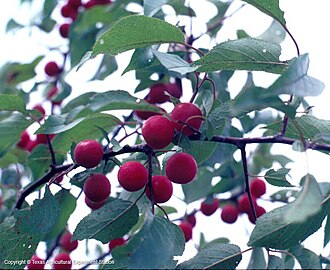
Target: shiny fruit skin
(181,168)
(132,176)
(257,187)
(52,69)
(209,208)
(229,213)
(162,189)
(157,94)
(186,228)
(88,153)
(97,187)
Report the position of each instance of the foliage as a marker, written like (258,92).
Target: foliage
(160,53)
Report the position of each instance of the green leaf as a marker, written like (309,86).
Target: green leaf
(41,217)
(269,7)
(214,256)
(200,150)
(111,221)
(13,25)
(153,246)
(12,103)
(136,31)
(257,260)
(278,177)
(181,9)
(200,187)
(307,204)
(306,258)
(11,129)
(174,63)
(275,33)
(67,204)
(107,67)
(273,231)
(81,100)
(283,195)
(275,262)
(213,25)
(327,232)
(243,54)
(151,7)
(296,81)
(14,245)
(141,59)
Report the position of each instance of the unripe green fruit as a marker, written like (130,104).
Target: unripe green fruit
(186,113)
(97,187)
(162,189)
(181,168)
(88,153)
(158,131)
(132,176)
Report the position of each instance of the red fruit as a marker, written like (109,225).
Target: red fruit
(24,140)
(244,203)
(41,110)
(186,228)
(64,29)
(67,11)
(259,212)
(174,90)
(162,189)
(92,3)
(52,69)
(132,176)
(42,138)
(36,263)
(97,187)
(31,145)
(157,94)
(52,92)
(191,219)
(65,242)
(158,131)
(229,213)
(258,187)
(62,261)
(116,243)
(186,113)
(94,205)
(74,3)
(181,168)
(209,208)
(88,153)
(144,115)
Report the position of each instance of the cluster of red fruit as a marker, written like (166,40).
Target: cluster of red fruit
(62,260)
(229,211)
(72,8)
(29,144)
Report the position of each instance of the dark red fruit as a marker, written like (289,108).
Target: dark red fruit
(209,207)
(65,242)
(191,219)
(64,29)
(259,212)
(24,140)
(41,110)
(132,176)
(258,187)
(74,3)
(31,145)
(36,263)
(181,168)
(97,187)
(144,115)
(158,131)
(186,113)
(244,203)
(116,243)
(88,153)
(157,94)
(162,189)
(94,205)
(174,90)
(186,229)
(52,69)
(67,11)
(62,261)
(42,138)
(229,213)
(92,3)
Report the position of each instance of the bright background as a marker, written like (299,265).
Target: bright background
(308,22)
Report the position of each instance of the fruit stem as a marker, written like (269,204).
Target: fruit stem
(150,155)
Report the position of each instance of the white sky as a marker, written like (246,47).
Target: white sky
(308,22)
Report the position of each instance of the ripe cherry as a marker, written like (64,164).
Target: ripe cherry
(64,30)
(36,263)
(191,219)
(157,94)
(209,207)
(144,115)
(244,203)
(174,90)
(259,212)
(97,187)
(162,189)
(229,213)
(31,145)
(258,187)
(24,140)
(116,243)
(94,205)
(52,69)
(186,228)
(40,109)
(74,3)
(158,131)
(181,168)
(65,242)
(186,113)
(88,153)
(62,261)
(132,176)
